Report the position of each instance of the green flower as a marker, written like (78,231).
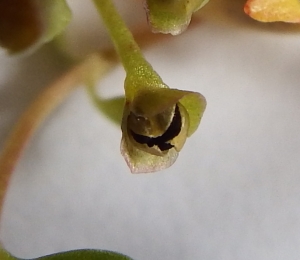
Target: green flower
(156,119)
(155,125)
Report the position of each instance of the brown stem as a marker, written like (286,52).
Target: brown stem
(50,98)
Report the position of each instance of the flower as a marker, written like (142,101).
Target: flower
(155,125)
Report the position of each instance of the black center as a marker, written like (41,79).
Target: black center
(162,141)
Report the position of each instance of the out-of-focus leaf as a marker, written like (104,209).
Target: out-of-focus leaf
(171,16)
(85,254)
(30,23)
(57,15)
(274,10)
(4,255)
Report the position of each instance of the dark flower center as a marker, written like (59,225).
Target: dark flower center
(162,141)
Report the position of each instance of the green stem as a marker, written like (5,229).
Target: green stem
(128,50)
(140,73)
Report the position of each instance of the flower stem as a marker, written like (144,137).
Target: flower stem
(140,73)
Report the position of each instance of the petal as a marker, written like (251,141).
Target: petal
(195,105)
(154,101)
(143,157)
(140,161)
(157,100)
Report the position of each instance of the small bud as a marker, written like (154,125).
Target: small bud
(171,16)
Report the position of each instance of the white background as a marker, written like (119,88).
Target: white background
(234,192)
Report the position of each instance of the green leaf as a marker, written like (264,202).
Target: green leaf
(86,254)
(57,15)
(171,16)
(4,255)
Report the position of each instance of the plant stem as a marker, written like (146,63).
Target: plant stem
(128,50)
(140,73)
(86,72)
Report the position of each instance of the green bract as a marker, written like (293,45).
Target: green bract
(31,23)
(171,16)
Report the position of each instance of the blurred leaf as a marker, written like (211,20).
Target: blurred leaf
(274,10)
(57,15)
(84,254)
(4,255)
(171,16)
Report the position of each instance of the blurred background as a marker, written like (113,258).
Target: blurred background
(234,191)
